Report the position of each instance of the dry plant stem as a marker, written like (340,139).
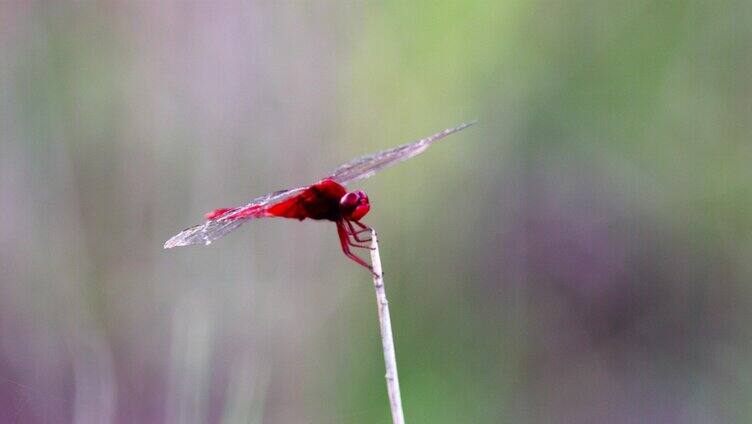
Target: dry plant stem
(387,341)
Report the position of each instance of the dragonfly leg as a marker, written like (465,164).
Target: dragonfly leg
(354,233)
(362,243)
(345,242)
(359,245)
(362,226)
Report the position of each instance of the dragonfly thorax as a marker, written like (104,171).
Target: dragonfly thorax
(354,205)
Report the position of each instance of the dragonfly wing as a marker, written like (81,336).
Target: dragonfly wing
(204,233)
(369,165)
(229,220)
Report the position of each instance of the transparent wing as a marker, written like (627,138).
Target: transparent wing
(233,218)
(367,166)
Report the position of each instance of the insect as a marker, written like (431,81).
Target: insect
(325,200)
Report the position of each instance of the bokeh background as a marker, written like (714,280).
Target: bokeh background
(581,255)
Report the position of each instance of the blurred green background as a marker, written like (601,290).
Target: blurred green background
(581,255)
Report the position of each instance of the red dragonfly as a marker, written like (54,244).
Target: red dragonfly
(325,200)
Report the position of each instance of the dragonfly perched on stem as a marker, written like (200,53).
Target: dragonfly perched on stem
(325,200)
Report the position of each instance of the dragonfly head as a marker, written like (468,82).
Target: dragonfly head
(354,205)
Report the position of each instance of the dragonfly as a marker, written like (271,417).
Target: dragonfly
(327,200)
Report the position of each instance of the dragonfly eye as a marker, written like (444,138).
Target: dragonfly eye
(349,201)
(354,205)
